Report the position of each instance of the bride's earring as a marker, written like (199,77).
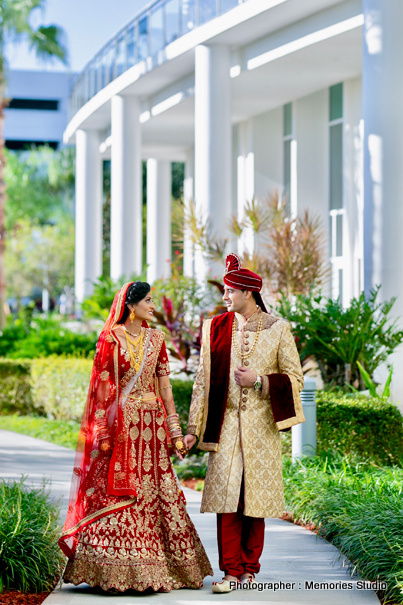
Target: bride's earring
(132,316)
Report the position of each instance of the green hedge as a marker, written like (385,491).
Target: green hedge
(56,387)
(15,387)
(362,426)
(51,386)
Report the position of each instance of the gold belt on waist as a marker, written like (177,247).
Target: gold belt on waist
(149,403)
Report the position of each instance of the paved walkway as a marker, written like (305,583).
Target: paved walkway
(291,555)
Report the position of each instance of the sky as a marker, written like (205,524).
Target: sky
(87,24)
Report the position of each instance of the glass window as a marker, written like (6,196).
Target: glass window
(143,38)
(336,166)
(287,171)
(120,55)
(171,21)
(188,15)
(131,46)
(226,5)
(97,74)
(157,38)
(207,10)
(102,70)
(336,102)
(287,118)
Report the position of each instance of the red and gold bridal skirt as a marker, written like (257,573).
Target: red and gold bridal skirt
(152,543)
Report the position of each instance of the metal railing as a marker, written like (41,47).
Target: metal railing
(146,35)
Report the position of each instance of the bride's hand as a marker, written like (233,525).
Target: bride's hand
(180,448)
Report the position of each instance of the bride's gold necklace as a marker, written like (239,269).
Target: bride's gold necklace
(237,350)
(135,348)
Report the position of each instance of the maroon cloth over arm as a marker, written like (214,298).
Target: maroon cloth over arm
(281,397)
(220,342)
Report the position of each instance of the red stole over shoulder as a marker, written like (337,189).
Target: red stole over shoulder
(280,388)
(220,351)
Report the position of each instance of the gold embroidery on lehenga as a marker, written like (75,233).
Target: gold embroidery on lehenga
(134,433)
(152,542)
(147,463)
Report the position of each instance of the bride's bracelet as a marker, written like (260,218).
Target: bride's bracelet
(174,427)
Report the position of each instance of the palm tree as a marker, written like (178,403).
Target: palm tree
(15,25)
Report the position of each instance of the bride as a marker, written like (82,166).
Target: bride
(127,526)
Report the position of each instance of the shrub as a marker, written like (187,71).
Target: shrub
(364,426)
(15,391)
(30,559)
(339,337)
(53,386)
(42,336)
(60,386)
(356,508)
(192,467)
(182,392)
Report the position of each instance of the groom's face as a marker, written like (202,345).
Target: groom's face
(234,299)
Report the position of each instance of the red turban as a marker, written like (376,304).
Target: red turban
(242,279)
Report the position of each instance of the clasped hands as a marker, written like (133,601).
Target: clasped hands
(244,377)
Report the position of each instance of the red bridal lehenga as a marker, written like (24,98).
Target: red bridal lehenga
(127,526)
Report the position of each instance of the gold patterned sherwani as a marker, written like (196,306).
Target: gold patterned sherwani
(250,443)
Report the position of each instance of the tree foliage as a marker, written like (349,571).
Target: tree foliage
(40,256)
(40,186)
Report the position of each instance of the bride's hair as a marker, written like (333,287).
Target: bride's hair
(135,293)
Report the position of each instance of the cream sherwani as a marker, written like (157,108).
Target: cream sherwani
(250,443)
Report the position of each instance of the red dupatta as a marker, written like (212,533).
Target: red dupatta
(98,423)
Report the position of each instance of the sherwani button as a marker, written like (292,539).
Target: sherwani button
(245,391)
(246,363)
(244,399)
(243,408)
(246,348)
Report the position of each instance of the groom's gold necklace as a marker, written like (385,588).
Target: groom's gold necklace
(238,352)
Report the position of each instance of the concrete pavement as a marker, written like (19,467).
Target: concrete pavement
(292,555)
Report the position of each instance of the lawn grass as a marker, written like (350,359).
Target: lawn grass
(358,507)
(60,432)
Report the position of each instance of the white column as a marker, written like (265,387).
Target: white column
(88,248)
(383,157)
(126,188)
(246,182)
(212,145)
(373,142)
(159,239)
(188,197)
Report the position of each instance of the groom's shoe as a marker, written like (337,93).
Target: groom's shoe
(224,586)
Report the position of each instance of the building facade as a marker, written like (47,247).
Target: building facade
(296,95)
(37,111)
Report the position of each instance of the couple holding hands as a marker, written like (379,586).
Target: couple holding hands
(127,526)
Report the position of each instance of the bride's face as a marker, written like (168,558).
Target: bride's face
(145,308)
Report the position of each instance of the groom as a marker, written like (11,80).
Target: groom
(246,390)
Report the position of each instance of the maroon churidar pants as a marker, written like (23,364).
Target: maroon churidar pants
(240,541)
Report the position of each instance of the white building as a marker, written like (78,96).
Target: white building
(37,112)
(303,94)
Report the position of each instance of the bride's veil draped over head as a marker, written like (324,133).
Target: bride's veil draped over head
(100,409)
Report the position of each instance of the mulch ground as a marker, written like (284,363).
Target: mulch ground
(191,483)
(14,597)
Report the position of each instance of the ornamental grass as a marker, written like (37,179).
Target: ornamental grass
(356,507)
(30,560)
